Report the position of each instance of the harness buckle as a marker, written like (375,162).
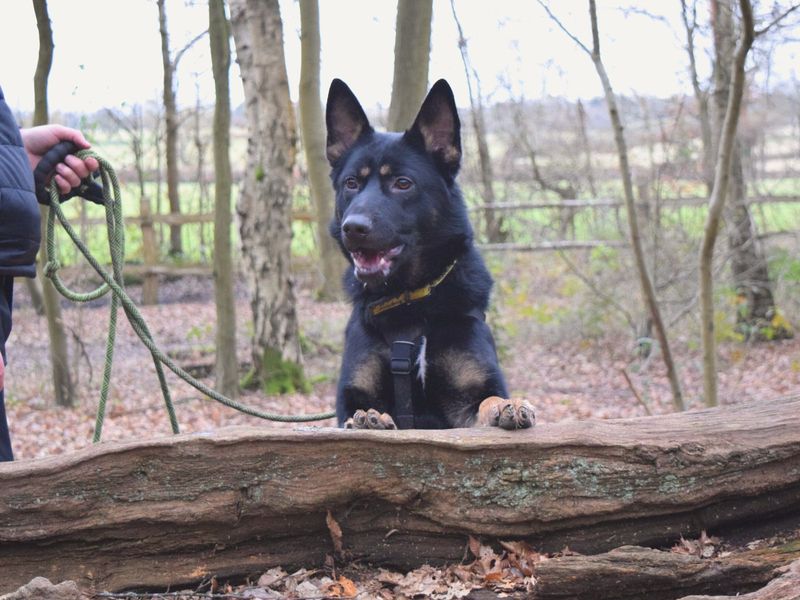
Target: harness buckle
(402,357)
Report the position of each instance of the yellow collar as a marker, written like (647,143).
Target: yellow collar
(408,297)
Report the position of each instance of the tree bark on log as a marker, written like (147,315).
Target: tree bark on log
(174,510)
(632,572)
(785,587)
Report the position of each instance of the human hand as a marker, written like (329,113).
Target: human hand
(38,140)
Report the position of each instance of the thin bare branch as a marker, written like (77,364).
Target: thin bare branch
(187,47)
(776,20)
(596,290)
(563,28)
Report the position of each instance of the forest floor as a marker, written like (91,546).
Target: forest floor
(565,372)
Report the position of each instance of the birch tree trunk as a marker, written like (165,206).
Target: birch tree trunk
(312,126)
(63,388)
(716,202)
(756,315)
(171,131)
(265,201)
(412,49)
(227,367)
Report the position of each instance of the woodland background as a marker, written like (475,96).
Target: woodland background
(593,222)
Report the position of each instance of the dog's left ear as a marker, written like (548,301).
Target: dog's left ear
(438,129)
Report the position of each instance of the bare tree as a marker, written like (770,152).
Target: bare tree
(645,281)
(171,122)
(689,18)
(722,177)
(412,49)
(63,387)
(265,202)
(312,127)
(749,267)
(494,224)
(227,366)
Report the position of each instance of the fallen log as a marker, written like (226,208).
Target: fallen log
(785,587)
(631,572)
(171,511)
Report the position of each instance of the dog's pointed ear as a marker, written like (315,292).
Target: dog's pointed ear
(345,119)
(438,129)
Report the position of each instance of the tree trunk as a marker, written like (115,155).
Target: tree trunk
(312,126)
(494,223)
(645,281)
(412,49)
(725,154)
(149,253)
(36,294)
(170,511)
(63,388)
(227,365)
(171,131)
(756,315)
(265,202)
(587,149)
(689,18)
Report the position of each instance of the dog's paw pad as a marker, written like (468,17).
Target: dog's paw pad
(370,419)
(506,414)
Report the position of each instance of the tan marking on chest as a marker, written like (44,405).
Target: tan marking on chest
(367,375)
(461,369)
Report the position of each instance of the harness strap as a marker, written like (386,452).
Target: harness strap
(405,348)
(402,364)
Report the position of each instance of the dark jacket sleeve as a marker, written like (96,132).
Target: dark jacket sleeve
(19,212)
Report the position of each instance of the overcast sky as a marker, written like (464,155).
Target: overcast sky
(116,60)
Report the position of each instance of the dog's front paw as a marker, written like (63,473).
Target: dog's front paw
(370,419)
(506,414)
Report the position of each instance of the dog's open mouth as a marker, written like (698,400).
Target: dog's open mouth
(370,263)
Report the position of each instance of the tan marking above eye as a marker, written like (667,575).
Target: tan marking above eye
(364,172)
(385,170)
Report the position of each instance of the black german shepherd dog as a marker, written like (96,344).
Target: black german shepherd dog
(418,353)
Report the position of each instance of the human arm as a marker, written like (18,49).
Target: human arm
(69,173)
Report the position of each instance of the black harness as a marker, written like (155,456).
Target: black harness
(407,341)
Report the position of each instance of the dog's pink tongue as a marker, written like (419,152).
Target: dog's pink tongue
(371,262)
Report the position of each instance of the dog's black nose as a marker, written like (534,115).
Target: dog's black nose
(357,226)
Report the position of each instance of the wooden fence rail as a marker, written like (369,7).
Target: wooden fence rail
(612,203)
(574,204)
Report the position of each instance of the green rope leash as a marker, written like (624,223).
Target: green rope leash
(113,282)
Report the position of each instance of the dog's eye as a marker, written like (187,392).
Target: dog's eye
(403,183)
(351,183)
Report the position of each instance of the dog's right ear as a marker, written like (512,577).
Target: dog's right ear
(345,119)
